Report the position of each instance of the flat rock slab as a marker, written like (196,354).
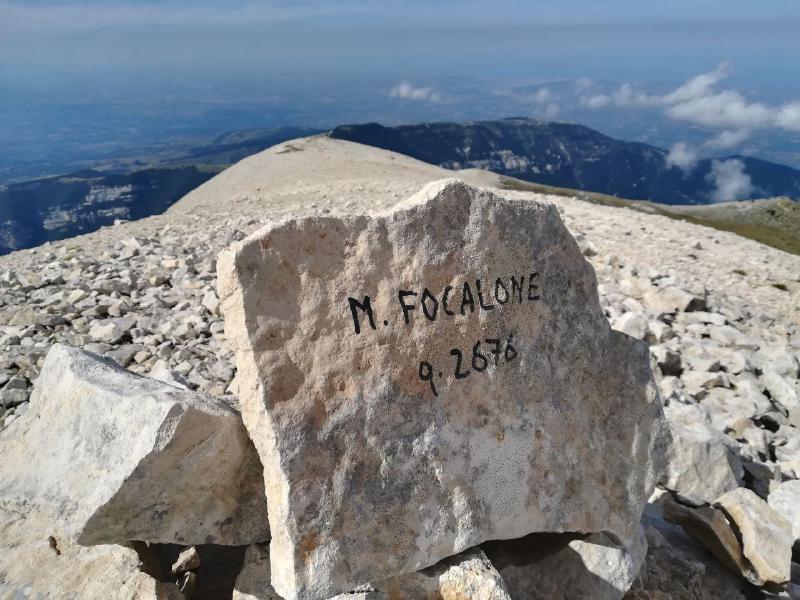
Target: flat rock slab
(111,456)
(766,536)
(420,382)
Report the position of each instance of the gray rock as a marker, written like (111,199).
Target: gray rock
(112,456)
(783,393)
(785,500)
(634,324)
(375,464)
(106,331)
(701,466)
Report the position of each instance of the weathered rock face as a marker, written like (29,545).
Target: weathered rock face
(421,382)
(111,456)
(568,566)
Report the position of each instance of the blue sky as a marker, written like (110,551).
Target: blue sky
(608,39)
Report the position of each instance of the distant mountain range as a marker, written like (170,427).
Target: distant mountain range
(571,156)
(53,208)
(554,154)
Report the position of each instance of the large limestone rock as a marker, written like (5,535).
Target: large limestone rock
(420,382)
(568,566)
(111,456)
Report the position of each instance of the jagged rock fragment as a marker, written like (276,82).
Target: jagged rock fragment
(701,466)
(113,456)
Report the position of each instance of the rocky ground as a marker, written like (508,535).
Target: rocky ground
(721,315)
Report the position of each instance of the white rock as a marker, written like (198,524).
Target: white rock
(668,300)
(113,456)
(633,324)
(106,331)
(782,392)
(701,466)
(377,465)
(766,536)
(785,500)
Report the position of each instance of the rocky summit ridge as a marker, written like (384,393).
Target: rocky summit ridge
(718,313)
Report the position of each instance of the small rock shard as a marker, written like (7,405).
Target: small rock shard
(188,560)
(420,382)
(112,456)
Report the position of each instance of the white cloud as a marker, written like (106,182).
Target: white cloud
(625,95)
(542,96)
(406,91)
(551,111)
(681,156)
(729,180)
(727,139)
(698,102)
(789,117)
(727,109)
(595,101)
(698,86)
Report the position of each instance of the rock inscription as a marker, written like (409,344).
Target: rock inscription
(421,381)
(507,292)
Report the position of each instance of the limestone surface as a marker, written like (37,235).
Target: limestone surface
(419,382)
(111,456)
